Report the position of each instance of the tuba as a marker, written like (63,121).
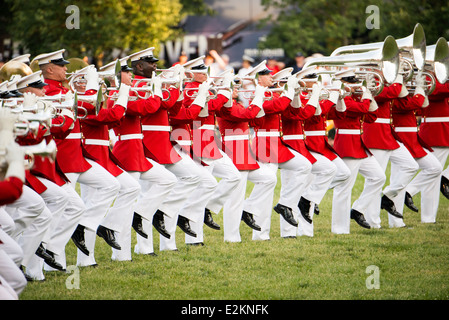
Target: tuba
(384,59)
(438,59)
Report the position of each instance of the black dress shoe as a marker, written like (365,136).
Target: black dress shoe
(137,225)
(49,258)
(408,200)
(249,220)
(108,236)
(388,205)
(78,239)
(444,186)
(316,210)
(196,244)
(184,225)
(286,213)
(360,219)
(208,221)
(159,224)
(304,208)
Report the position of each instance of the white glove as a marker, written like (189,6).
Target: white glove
(7,121)
(201,98)
(92,78)
(15,157)
(292,84)
(227,79)
(29,101)
(67,113)
(157,85)
(341,105)
(296,103)
(334,96)
(400,80)
(315,96)
(373,106)
(123,95)
(181,96)
(367,94)
(259,95)
(420,90)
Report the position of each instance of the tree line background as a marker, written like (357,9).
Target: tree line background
(308,26)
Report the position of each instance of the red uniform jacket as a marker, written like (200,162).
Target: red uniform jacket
(349,143)
(315,129)
(380,134)
(435,118)
(70,156)
(129,148)
(293,129)
(234,128)
(267,144)
(10,190)
(95,129)
(156,131)
(405,124)
(203,128)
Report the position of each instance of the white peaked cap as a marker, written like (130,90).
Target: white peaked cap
(34,80)
(56,57)
(284,73)
(147,53)
(12,83)
(23,58)
(110,67)
(306,71)
(260,67)
(344,74)
(195,64)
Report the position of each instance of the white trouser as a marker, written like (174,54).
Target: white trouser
(11,248)
(10,274)
(62,232)
(224,169)
(403,169)
(427,181)
(156,184)
(294,179)
(323,172)
(6,221)
(375,178)
(194,206)
(259,202)
(441,153)
(103,188)
(185,171)
(32,218)
(121,213)
(6,291)
(56,200)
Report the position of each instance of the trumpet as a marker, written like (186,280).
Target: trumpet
(249,93)
(146,90)
(194,93)
(42,149)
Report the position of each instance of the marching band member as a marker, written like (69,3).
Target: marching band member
(235,131)
(405,126)
(380,138)
(433,131)
(206,151)
(95,130)
(76,163)
(349,146)
(323,170)
(272,153)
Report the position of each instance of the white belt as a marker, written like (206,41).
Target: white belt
(348,131)
(315,133)
(96,142)
(383,120)
(268,134)
(156,128)
(184,142)
(207,127)
(74,136)
(137,136)
(406,129)
(436,119)
(236,137)
(293,137)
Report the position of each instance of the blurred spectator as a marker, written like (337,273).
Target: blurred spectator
(182,59)
(274,65)
(247,62)
(299,62)
(221,63)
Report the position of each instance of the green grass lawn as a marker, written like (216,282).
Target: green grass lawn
(412,264)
